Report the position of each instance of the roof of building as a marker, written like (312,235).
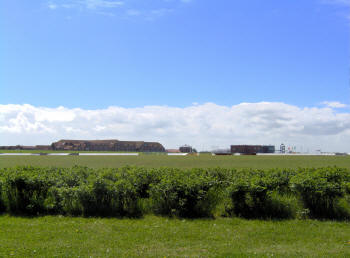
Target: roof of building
(173,151)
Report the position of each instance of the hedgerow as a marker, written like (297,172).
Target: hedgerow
(2,205)
(321,191)
(185,193)
(253,194)
(123,192)
(25,189)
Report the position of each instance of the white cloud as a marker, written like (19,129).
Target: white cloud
(87,4)
(344,4)
(202,125)
(148,14)
(133,12)
(341,2)
(119,7)
(94,4)
(52,6)
(334,104)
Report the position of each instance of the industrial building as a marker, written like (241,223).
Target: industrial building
(26,148)
(94,145)
(108,145)
(186,149)
(283,148)
(252,149)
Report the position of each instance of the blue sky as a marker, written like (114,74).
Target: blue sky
(94,53)
(204,73)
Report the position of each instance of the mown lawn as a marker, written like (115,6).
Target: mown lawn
(57,236)
(203,161)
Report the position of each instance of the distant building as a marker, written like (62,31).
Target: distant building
(268,149)
(283,148)
(222,152)
(341,154)
(17,147)
(42,147)
(186,149)
(173,151)
(108,145)
(252,149)
(95,145)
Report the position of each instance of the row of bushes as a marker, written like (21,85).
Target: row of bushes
(133,191)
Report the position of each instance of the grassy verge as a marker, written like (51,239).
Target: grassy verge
(56,236)
(155,161)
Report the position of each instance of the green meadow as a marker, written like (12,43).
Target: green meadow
(202,161)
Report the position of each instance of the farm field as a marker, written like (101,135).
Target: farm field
(152,236)
(155,161)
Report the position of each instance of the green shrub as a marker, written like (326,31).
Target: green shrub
(25,190)
(128,199)
(69,201)
(254,194)
(130,191)
(2,204)
(321,191)
(141,178)
(347,187)
(185,194)
(63,196)
(279,180)
(107,198)
(103,193)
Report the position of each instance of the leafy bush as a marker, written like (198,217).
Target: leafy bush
(279,180)
(185,194)
(253,194)
(129,191)
(108,193)
(68,199)
(25,190)
(321,191)
(62,197)
(2,204)
(141,178)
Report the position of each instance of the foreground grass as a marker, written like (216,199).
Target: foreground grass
(203,161)
(55,236)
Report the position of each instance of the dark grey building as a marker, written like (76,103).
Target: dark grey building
(252,149)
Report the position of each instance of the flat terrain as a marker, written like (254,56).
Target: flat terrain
(153,236)
(180,162)
(162,237)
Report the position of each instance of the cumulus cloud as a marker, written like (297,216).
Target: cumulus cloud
(334,104)
(201,125)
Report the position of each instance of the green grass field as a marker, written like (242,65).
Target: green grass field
(180,162)
(162,237)
(154,236)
